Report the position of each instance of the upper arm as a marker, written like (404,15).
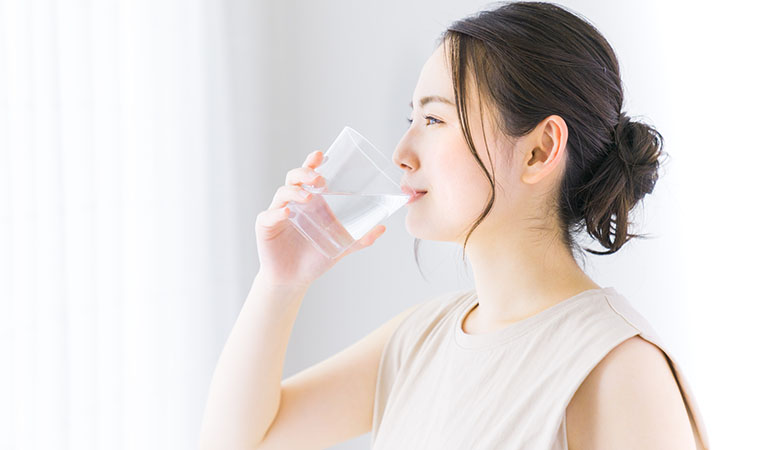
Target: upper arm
(630,400)
(331,401)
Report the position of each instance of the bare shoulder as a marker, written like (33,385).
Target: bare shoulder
(630,400)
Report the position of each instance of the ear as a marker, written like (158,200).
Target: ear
(548,149)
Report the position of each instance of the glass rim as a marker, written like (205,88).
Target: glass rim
(349,130)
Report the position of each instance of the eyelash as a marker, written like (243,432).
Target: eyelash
(426,117)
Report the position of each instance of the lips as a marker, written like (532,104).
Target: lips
(414,194)
(411,191)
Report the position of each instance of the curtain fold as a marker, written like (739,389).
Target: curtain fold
(118,220)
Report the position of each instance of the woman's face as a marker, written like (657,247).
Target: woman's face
(435,156)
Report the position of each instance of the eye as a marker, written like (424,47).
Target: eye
(426,117)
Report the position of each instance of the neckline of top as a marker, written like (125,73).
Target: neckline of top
(513,330)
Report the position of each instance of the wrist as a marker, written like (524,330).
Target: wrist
(283,287)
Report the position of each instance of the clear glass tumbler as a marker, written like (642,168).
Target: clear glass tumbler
(362,188)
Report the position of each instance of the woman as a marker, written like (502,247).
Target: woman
(518,139)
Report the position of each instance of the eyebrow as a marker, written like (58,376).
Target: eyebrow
(433,98)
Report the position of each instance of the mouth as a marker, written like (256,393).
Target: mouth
(415,196)
(413,193)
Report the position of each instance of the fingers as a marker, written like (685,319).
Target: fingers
(293,190)
(366,240)
(314,159)
(272,217)
(373,234)
(304,175)
(287,194)
(278,210)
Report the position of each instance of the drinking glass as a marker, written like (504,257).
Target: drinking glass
(362,188)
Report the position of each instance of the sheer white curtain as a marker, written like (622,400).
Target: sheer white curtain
(117,216)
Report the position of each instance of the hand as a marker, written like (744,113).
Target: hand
(285,256)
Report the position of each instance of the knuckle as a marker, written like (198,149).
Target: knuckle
(295,191)
(299,175)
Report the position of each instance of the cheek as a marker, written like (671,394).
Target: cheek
(465,196)
(450,209)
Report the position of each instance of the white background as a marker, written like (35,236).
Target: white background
(140,139)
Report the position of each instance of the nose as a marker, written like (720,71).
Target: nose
(404,156)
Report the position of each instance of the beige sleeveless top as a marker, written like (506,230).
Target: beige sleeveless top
(440,388)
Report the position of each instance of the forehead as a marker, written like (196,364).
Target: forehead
(435,77)
(435,80)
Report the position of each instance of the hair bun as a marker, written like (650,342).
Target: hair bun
(638,147)
(623,121)
(627,173)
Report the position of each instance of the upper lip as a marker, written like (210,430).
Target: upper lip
(410,190)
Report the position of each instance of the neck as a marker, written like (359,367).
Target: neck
(519,276)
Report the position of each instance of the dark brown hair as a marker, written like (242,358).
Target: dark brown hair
(531,60)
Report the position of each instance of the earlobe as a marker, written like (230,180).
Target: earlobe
(535,171)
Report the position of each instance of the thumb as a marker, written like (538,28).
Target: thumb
(366,240)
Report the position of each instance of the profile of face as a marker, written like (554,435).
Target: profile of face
(435,157)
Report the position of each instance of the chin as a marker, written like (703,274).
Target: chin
(425,230)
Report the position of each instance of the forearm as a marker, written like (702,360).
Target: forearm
(244,395)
